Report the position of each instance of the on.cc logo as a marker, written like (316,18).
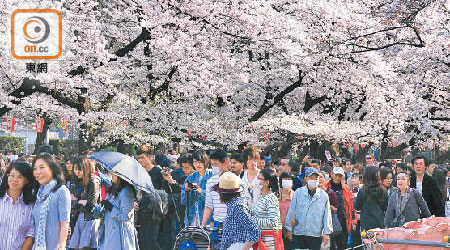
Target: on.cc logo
(36,34)
(39,26)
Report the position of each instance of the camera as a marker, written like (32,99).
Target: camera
(190,185)
(166,171)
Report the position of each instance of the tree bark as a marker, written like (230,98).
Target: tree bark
(40,137)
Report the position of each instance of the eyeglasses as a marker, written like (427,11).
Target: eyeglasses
(20,177)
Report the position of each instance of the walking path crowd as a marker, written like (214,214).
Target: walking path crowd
(254,201)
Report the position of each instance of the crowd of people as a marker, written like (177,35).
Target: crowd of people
(254,200)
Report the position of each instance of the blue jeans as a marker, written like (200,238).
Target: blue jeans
(215,236)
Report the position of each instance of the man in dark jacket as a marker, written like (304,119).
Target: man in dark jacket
(427,186)
(153,226)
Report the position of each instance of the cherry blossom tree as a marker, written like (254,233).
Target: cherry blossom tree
(228,70)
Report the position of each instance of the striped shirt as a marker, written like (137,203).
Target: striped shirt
(267,213)
(213,200)
(16,223)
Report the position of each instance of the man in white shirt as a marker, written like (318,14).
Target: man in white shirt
(213,206)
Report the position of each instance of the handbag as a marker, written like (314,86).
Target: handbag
(337,228)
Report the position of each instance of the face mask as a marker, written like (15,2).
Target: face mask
(327,177)
(216,170)
(286,184)
(313,183)
(258,185)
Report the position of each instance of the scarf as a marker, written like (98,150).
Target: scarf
(400,208)
(44,196)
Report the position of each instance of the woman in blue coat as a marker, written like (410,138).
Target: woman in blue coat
(195,185)
(117,231)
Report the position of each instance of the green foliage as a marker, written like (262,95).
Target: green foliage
(15,144)
(108,148)
(66,147)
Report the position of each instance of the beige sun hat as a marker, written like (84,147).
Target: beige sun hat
(229,183)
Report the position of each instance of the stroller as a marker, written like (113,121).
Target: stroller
(192,237)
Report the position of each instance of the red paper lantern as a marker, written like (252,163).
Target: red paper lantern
(13,125)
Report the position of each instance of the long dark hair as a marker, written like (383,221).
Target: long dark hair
(67,176)
(26,171)
(372,188)
(117,187)
(87,166)
(201,155)
(227,197)
(54,166)
(384,172)
(270,175)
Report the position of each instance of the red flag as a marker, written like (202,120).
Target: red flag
(189,133)
(13,124)
(36,121)
(137,124)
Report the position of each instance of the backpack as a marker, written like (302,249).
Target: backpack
(159,202)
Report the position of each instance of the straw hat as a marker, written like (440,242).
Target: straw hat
(229,183)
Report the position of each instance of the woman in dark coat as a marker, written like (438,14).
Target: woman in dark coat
(405,205)
(371,201)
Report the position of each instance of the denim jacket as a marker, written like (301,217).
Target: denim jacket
(312,213)
(196,203)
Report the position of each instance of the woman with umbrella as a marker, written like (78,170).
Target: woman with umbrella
(117,229)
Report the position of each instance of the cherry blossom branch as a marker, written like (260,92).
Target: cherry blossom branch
(266,106)
(145,34)
(31,86)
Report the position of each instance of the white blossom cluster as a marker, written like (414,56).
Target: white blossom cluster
(229,70)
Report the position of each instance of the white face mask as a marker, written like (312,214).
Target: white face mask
(216,170)
(327,177)
(313,183)
(286,184)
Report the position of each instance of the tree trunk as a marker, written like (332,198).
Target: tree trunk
(83,139)
(40,137)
